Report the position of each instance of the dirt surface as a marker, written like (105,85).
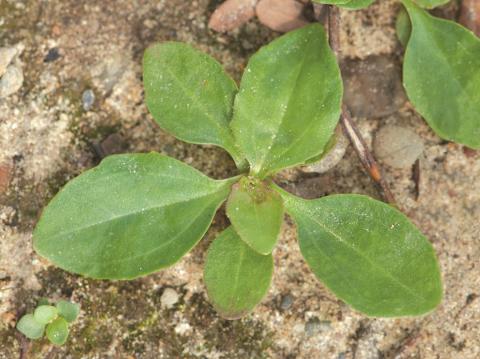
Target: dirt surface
(82,98)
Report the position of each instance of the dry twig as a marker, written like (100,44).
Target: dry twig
(350,129)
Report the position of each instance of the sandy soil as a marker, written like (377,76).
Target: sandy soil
(47,137)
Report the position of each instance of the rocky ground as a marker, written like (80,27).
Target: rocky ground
(75,95)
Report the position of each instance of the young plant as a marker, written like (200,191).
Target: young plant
(135,214)
(53,320)
(441,69)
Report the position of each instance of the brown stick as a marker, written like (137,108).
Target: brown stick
(366,157)
(349,128)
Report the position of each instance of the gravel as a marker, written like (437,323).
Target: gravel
(398,147)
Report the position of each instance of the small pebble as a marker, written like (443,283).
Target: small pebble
(232,14)
(332,157)
(113,144)
(5,176)
(315,326)
(11,81)
(286,302)
(397,146)
(52,55)
(373,86)
(169,298)
(88,99)
(6,56)
(281,15)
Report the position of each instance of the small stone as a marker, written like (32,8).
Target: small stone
(7,55)
(470,152)
(232,14)
(169,298)
(373,86)
(281,15)
(315,326)
(332,157)
(286,302)
(398,147)
(5,176)
(183,328)
(52,55)
(11,81)
(113,144)
(88,99)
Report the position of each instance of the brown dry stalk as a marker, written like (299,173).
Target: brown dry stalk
(349,127)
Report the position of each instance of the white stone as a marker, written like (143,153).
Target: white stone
(11,81)
(169,298)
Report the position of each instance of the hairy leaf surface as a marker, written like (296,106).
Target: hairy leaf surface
(256,213)
(30,327)
(130,216)
(57,331)
(289,101)
(236,277)
(189,94)
(368,253)
(441,74)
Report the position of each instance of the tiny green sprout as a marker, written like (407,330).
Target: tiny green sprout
(68,310)
(50,319)
(30,327)
(45,314)
(135,214)
(57,331)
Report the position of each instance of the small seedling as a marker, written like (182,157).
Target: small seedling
(135,214)
(49,319)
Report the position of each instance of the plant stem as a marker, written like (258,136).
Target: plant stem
(349,128)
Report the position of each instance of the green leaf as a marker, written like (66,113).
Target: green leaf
(68,310)
(57,331)
(44,314)
(403,26)
(348,4)
(130,216)
(430,4)
(289,101)
(236,277)
(256,213)
(441,74)
(368,253)
(28,326)
(190,95)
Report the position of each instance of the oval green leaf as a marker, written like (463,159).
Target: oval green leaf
(57,331)
(403,26)
(256,213)
(44,314)
(289,101)
(441,74)
(68,310)
(30,327)
(236,277)
(189,95)
(367,253)
(130,216)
